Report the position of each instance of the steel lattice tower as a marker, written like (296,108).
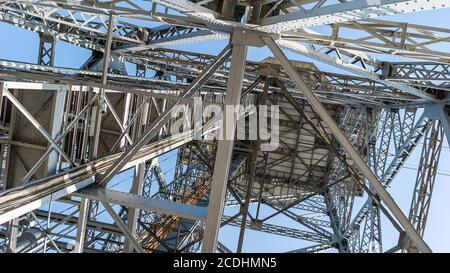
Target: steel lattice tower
(90,161)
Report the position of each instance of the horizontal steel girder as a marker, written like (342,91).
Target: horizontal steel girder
(145,203)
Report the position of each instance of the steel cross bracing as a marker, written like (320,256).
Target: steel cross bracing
(354,59)
(331,86)
(313,178)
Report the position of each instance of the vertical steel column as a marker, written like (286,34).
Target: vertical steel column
(155,127)
(13,232)
(224,150)
(126,117)
(107,53)
(138,185)
(352,152)
(2,85)
(56,128)
(81,225)
(101,101)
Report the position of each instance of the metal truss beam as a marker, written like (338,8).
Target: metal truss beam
(382,37)
(328,120)
(170,35)
(165,116)
(81,225)
(280,230)
(413,135)
(72,21)
(133,213)
(368,73)
(92,24)
(418,71)
(352,68)
(178,32)
(313,249)
(347,11)
(33,195)
(330,86)
(370,241)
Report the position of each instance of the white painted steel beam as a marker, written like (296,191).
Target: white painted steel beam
(144,203)
(41,201)
(81,225)
(347,11)
(224,151)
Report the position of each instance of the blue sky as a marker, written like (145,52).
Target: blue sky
(21,45)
